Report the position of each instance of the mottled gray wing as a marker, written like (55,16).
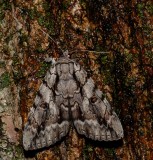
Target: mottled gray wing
(92,114)
(45,126)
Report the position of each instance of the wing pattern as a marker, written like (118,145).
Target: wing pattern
(68,96)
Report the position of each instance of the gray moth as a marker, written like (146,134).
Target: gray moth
(68,97)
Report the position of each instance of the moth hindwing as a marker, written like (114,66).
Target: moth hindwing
(68,95)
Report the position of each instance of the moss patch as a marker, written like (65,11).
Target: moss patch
(4,5)
(4,80)
(42,71)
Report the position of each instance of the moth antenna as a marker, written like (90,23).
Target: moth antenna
(65,53)
(52,40)
(87,51)
(20,26)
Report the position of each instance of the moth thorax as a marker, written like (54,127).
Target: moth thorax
(65,68)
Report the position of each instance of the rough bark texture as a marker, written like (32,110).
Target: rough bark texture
(125,73)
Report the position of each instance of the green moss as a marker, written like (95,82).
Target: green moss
(4,80)
(65,5)
(13,152)
(15,60)
(2,15)
(17,75)
(4,5)
(46,6)
(99,48)
(140,8)
(1,35)
(46,21)
(110,152)
(39,50)
(42,71)
(17,71)
(41,20)
(150,8)
(149,55)
(32,13)
(18,153)
(87,150)
(1,127)
(129,57)
(104,59)
(5,48)
(9,37)
(2,64)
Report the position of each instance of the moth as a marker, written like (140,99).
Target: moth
(68,97)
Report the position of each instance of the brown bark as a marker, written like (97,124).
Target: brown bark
(121,28)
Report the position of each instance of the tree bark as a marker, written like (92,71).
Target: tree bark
(29,30)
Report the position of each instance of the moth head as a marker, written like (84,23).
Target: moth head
(66,54)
